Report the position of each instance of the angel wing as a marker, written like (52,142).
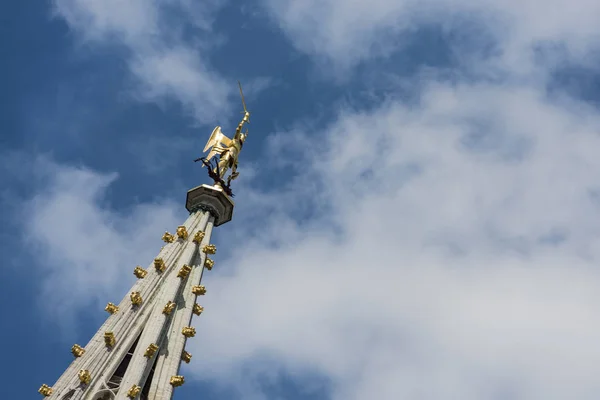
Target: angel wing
(216,138)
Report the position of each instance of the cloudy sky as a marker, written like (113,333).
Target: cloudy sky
(417,214)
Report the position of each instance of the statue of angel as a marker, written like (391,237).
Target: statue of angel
(227,149)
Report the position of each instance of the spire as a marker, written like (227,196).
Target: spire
(137,352)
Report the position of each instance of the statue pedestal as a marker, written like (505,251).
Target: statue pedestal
(211,199)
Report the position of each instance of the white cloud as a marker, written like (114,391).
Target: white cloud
(85,250)
(438,281)
(164,62)
(441,284)
(462,262)
(344,33)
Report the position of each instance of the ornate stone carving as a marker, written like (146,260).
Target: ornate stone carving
(209,249)
(77,350)
(186,357)
(168,238)
(188,332)
(184,271)
(210,199)
(199,290)
(208,263)
(197,309)
(140,272)
(177,380)
(150,350)
(198,237)
(111,308)
(85,377)
(159,264)
(134,391)
(45,390)
(136,298)
(169,307)
(182,232)
(109,339)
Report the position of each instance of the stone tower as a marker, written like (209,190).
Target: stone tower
(137,352)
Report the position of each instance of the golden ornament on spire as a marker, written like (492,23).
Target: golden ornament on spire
(209,249)
(111,308)
(199,290)
(159,264)
(227,149)
(85,377)
(197,309)
(140,272)
(182,232)
(150,350)
(109,339)
(136,298)
(77,350)
(134,391)
(169,307)
(188,332)
(177,380)
(198,237)
(208,263)
(45,390)
(168,238)
(186,357)
(184,271)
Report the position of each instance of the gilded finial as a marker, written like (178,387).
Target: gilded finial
(77,350)
(45,390)
(184,271)
(150,350)
(111,308)
(208,263)
(169,307)
(85,377)
(182,232)
(188,332)
(197,309)
(168,238)
(176,380)
(198,237)
(109,339)
(209,249)
(134,391)
(140,272)
(186,357)
(228,150)
(199,290)
(159,264)
(136,298)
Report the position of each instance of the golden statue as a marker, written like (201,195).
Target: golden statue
(227,149)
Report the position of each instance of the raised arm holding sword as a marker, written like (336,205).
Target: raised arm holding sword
(227,149)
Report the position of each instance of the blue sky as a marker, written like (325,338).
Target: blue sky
(417,212)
